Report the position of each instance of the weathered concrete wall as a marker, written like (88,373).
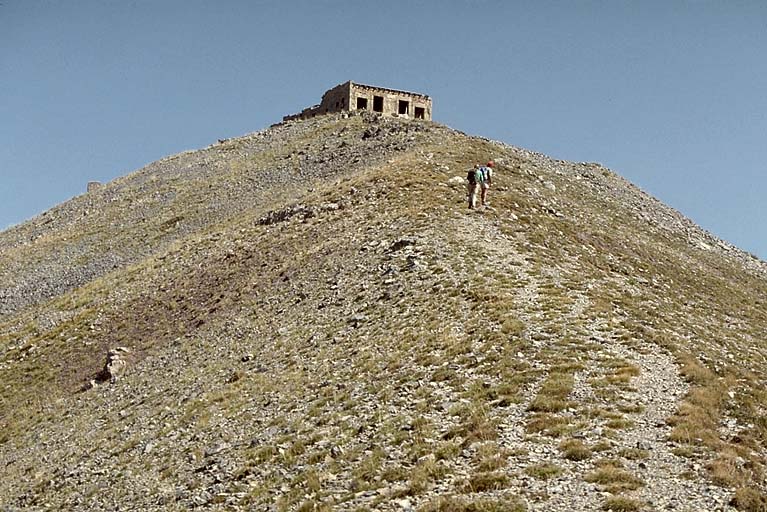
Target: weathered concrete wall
(394,102)
(352,96)
(336,99)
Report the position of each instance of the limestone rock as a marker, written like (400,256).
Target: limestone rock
(115,365)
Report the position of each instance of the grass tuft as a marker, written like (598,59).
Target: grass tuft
(612,478)
(543,471)
(463,504)
(622,504)
(574,449)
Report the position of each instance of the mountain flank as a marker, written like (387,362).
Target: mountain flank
(309,318)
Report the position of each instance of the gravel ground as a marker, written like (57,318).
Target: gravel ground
(312,320)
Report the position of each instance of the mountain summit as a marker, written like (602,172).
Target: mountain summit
(310,318)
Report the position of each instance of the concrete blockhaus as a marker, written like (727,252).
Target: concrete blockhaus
(351,96)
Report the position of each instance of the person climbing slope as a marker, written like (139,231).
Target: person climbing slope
(487,179)
(474,178)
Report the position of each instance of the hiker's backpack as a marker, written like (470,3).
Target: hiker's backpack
(474,176)
(487,173)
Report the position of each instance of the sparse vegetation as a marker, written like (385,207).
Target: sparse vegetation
(543,471)
(552,396)
(612,477)
(575,449)
(460,504)
(750,500)
(622,504)
(349,335)
(486,481)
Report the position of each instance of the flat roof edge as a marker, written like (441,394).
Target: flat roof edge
(387,89)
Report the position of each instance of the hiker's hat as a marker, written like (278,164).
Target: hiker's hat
(490,163)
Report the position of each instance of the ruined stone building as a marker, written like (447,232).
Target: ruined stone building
(351,96)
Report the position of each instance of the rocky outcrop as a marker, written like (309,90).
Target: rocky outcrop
(116,363)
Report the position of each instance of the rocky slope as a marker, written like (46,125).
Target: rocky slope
(308,318)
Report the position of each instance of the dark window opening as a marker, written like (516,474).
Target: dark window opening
(377,103)
(404,107)
(362,103)
(420,113)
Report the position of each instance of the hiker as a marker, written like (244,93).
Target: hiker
(474,178)
(487,179)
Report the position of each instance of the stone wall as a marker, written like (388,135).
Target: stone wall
(351,96)
(336,99)
(390,101)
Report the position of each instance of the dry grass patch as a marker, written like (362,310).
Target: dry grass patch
(604,445)
(543,471)
(725,471)
(623,374)
(463,504)
(424,474)
(512,327)
(611,477)
(685,451)
(750,499)
(394,473)
(369,467)
(262,454)
(696,422)
(552,396)
(549,425)
(447,450)
(622,504)
(486,481)
(491,457)
(619,424)
(694,372)
(444,374)
(314,506)
(631,408)
(477,426)
(574,449)
(500,395)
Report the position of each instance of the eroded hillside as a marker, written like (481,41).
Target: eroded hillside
(316,322)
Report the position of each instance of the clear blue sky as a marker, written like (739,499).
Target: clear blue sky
(670,94)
